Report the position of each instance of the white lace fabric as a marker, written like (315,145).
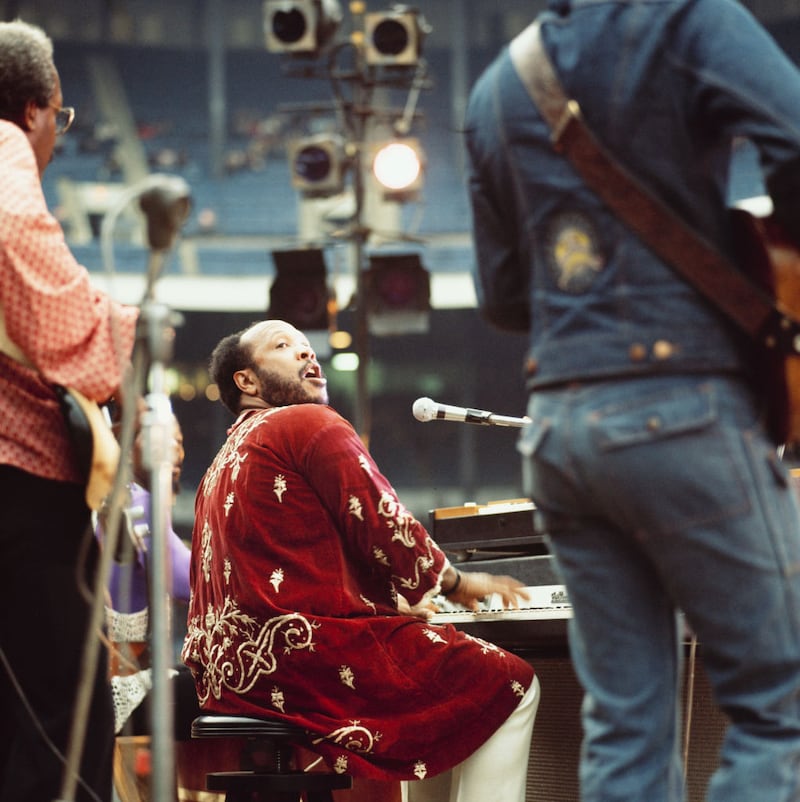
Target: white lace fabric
(126,627)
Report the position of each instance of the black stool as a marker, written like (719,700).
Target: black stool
(266,775)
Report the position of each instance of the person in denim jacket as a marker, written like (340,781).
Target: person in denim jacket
(654,476)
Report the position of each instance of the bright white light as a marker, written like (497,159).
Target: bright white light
(346,362)
(397,165)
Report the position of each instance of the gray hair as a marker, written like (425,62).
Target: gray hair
(27,71)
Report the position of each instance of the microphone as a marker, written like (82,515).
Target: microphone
(166,205)
(425,410)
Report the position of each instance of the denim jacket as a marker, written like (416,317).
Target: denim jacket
(671,88)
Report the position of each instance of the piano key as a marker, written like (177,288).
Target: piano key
(539,597)
(539,624)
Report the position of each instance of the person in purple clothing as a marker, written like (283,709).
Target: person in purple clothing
(127,618)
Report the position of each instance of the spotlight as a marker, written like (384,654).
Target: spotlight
(394,37)
(397,289)
(300,26)
(317,165)
(300,294)
(398,167)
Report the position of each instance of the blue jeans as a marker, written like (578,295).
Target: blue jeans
(659,496)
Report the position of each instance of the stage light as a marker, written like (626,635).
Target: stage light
(317,165)
(340,339)
(300,26)
(394,37)
(299,293)
(398,166)
(346,362)
(397,289)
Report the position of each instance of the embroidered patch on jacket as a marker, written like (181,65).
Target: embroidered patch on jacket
(572,251)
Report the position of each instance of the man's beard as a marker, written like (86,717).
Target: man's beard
(280,392)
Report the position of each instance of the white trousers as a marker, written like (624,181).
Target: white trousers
(495,772)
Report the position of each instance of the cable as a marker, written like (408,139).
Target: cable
(91,645)
(60,756)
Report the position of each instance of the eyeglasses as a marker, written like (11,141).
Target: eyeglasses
(64,117)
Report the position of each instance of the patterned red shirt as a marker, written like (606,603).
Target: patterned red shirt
(71,332)
(299,550)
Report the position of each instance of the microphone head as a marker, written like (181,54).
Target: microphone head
(424,409)
(166,204)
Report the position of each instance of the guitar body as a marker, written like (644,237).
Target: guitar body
(775,262)
(96,449)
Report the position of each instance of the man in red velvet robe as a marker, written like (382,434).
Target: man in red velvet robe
(303,558)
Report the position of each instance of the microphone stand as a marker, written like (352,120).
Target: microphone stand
(91,647)
(490,419)
(165,201)
(166,208)
(157,335)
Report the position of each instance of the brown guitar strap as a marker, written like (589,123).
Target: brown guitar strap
(684,249)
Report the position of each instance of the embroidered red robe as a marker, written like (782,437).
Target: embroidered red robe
(300,549)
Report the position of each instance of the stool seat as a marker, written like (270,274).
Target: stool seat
(293,782)
(270,778)
(212,726)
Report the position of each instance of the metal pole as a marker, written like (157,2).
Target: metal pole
(217,98)
(158,428)
(363,417)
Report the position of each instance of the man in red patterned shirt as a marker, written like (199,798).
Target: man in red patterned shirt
(55,329)
(311,586)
